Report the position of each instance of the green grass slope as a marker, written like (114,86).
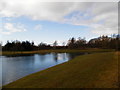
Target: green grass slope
(98,70)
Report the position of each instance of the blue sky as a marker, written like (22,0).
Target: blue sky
(47,22)
(49,31)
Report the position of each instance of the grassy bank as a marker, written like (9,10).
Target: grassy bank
(97,70)
(49,51)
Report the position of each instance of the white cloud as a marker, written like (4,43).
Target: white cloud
(9,28)
(38,27)
(104,30)
(53,11)
(102,17)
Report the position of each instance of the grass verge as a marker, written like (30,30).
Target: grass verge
(49,51)
(97,70)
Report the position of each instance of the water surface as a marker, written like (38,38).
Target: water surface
(14,68)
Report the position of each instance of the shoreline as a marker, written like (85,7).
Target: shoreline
(89,72)
(5,53)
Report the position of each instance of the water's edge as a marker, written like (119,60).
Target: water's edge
(32,64)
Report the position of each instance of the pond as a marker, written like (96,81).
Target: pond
(16,67)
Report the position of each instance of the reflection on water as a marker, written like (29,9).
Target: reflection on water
(59,56)
(17,67)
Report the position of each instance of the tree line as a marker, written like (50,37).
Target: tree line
(104,42)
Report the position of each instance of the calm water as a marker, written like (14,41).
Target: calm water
(14,68)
